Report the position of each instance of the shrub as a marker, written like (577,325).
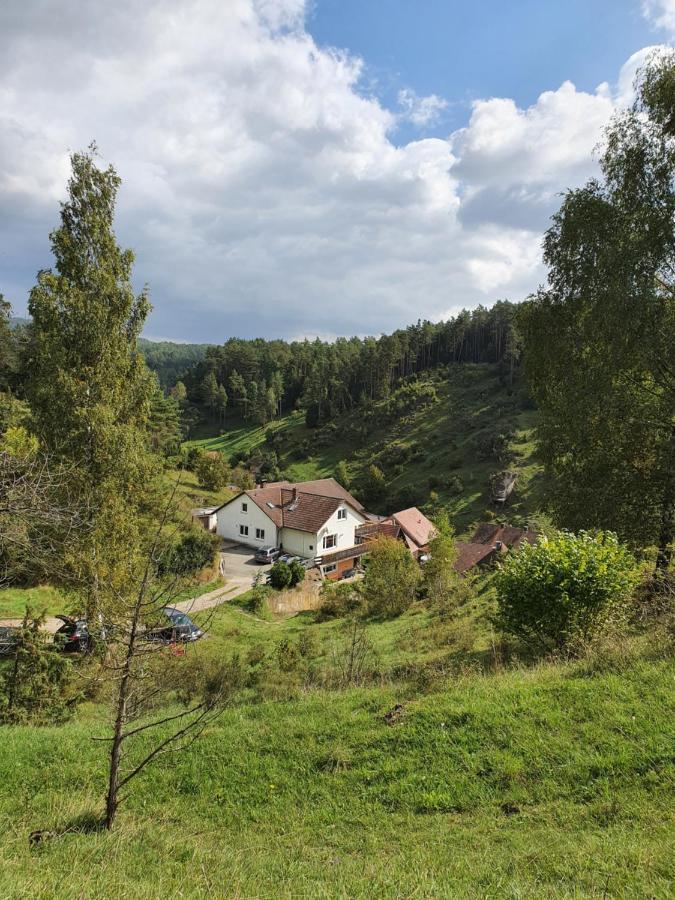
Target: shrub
(565,589)
(297,571)
(338,600)
(280,575)
(36,685)
(194,552)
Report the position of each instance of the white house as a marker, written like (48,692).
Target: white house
(308,519)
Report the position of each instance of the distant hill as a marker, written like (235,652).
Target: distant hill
(17,321)
(436,453)
(170,360)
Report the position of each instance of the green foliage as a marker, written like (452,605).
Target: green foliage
(169,360)
(442,585)
(391,579)
(597,338)
(164,425)
(193,552)
(297,571)
(36,684)
(339,600)
(564,589)
(342,474)
(212,472)
(89,388)
(375,484)
(280,575)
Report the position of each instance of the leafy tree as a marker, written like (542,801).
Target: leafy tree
(179,392)
(89,388)
(600,341)
(213,472)
(391,579)
(442,584)
(280,575)
(563,589)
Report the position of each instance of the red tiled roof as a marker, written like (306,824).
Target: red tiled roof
(490,533)
(471,554)
(314,503)
(415,525)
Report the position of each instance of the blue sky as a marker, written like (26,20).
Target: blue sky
(463,51)
(302,168)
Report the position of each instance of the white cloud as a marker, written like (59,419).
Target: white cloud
(660,13)
(421,111)
(262,192)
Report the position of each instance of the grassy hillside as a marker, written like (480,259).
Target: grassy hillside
(548,782)
(446,446)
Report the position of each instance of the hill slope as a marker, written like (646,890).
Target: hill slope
(461,425)
(547,783)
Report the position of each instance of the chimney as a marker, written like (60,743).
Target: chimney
(294,495)
(498,546)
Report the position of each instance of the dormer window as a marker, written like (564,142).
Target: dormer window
(342,513)
(244,507)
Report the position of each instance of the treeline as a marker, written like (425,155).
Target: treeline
(258,380)
(169,360)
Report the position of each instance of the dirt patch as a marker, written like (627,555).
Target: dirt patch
(287,603)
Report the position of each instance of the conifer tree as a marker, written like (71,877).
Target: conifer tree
(89,388)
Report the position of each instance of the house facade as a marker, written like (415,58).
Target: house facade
(311,519)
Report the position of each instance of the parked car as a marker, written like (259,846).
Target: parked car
(267,554)
(9,638)
(180,629)
(73,636)
(348,573)
(288,558)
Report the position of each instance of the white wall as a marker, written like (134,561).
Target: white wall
(343,528)
(230,517)
(299,543)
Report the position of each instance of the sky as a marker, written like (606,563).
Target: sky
(304,168)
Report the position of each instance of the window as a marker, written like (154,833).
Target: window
(328,569)
(329,541)
(260,534)
(311,546)
(244,507)
(342,513)
(243,530)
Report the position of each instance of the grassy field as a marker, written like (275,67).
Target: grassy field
(442,443)
(13,601)
(553,780)
(550,782)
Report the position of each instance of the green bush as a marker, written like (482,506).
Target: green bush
(564,589)
(297,571)
(190,555)
(280,575)
(391,580)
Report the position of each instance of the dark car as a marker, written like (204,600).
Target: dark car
(73,636)
(9,638)
(348,573)
(180,628)
(266,554)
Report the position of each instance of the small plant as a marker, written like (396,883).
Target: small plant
(566,589)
